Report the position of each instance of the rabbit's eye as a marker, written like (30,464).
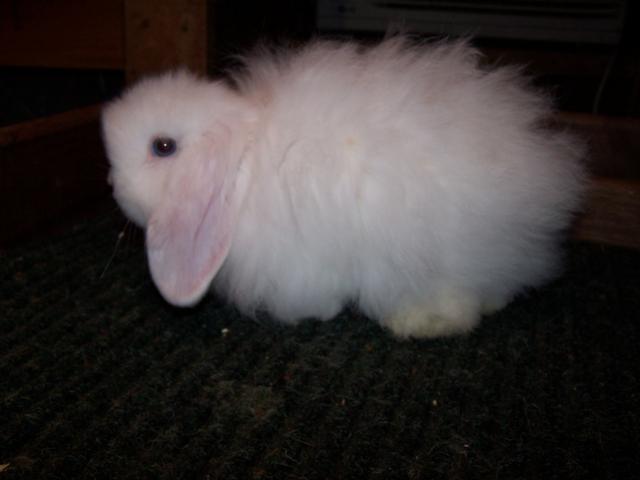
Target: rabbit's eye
(163,146)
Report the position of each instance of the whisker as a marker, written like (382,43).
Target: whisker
(115,250)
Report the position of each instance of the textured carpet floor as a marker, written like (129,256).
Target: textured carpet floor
(99,378)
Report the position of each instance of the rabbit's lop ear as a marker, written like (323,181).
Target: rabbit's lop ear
(189,234)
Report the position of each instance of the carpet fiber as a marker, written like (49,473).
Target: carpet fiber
(99,378)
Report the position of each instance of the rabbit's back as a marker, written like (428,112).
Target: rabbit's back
(381,174)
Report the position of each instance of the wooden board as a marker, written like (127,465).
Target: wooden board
(612,211)
(42,127)
(614,143)
(62,33)
(166,34)
(612,214)
(49,169)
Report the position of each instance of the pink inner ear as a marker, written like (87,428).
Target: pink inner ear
(189,235)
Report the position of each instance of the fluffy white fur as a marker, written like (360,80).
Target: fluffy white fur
(403,178)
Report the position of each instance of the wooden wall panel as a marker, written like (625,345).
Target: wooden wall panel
(165,34)
(49,169)
(612,214)
(62,33)
(614,143)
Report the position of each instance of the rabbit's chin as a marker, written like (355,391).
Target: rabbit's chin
(135,195)
(131,209)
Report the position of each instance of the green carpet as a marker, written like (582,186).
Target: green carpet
(99,378)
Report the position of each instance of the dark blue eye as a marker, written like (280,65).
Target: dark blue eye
(163,146)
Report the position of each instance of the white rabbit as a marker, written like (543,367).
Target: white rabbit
(403,178)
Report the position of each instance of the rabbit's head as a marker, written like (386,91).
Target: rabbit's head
(175,144)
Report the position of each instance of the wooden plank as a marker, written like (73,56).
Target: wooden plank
(22,132)
(568,61)
(46,178)
(612,211)
(612,214)
(62,33)
(165,34)
(614,143)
